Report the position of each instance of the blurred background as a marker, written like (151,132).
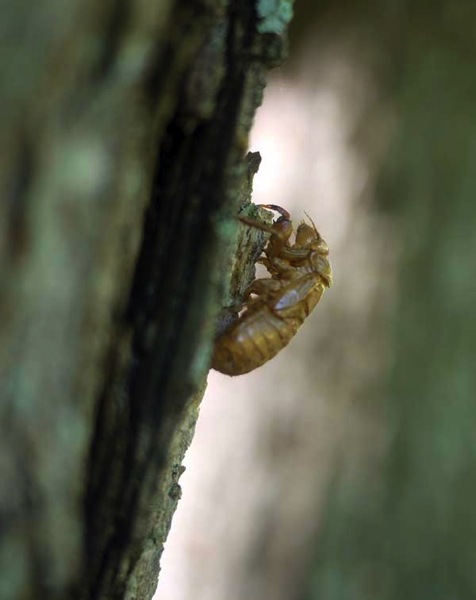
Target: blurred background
(344,468)
(267,444)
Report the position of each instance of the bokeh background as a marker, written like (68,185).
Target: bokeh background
(267,444)
(344,468)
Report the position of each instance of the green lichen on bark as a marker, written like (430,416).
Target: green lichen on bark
(274,15)
(127,125)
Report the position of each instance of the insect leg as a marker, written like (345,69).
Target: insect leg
(282,211)
(261,287)
(258,225)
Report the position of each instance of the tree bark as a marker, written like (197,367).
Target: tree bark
(123,137)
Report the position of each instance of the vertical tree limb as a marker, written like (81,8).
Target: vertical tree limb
(123,143)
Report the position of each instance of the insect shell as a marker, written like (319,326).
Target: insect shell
(275,307)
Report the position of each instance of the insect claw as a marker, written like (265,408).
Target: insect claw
(283,212)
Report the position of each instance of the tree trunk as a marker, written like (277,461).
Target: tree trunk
(123,135)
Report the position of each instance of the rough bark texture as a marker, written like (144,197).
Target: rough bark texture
(123,135)
(406,528)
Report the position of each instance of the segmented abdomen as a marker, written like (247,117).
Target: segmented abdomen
(251,341)
(259,334)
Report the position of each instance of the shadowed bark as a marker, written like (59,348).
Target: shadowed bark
(123,136)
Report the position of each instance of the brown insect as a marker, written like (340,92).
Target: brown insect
(300,273)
